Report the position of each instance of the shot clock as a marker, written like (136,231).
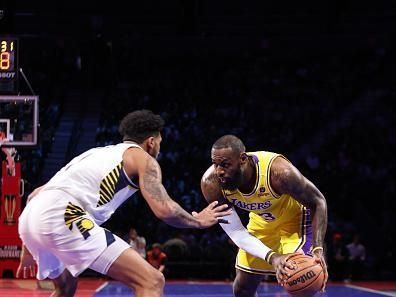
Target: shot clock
(8,58)
(8,63)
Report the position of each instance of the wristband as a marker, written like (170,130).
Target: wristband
(269,255)
(317,248)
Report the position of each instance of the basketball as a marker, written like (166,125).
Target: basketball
(307,279)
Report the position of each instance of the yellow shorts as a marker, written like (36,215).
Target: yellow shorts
(284,236)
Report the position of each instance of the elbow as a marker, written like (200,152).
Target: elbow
(321,203)
(238,243)
(236,237)
(320,206)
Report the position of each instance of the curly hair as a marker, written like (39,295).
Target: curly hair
(140,124)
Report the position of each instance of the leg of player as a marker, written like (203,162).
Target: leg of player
(246,284)
(131,269)
(65,285)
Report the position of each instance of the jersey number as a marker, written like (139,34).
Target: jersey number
(267,216)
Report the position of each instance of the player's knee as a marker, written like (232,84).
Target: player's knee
(157,281)
(154,282)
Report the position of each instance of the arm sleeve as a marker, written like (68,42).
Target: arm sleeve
(243,239)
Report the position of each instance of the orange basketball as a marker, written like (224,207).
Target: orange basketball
(307,279)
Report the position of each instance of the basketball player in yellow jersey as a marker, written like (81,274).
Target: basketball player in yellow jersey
(283,207)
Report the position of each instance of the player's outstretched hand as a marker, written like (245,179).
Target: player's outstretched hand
(282,267)
(212,214)
(27,266)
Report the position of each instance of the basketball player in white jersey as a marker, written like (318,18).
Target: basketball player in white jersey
(60,226)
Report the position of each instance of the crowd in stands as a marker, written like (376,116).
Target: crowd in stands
(327,113)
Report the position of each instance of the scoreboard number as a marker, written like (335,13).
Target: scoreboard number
(8,58)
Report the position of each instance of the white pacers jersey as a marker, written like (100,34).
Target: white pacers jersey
(96,180)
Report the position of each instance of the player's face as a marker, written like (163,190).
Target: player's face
(227,168)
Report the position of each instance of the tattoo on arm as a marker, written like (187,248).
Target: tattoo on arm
(182,215)
(152,183)
(290,181)
(152,180)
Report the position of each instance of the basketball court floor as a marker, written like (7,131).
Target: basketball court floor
(106,288)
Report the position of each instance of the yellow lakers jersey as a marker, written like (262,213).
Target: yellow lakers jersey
(263,202)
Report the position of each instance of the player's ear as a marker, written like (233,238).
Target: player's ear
(150,142)
(243,157)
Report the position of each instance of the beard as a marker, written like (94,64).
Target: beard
(233,182)
(154,153)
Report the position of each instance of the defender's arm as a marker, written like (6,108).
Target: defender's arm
(153,191)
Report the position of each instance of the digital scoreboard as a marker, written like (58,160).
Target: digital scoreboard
(8,59)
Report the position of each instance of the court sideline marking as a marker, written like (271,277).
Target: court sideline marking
(370,290)
(101,286)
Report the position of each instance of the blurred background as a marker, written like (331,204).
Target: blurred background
(313,81)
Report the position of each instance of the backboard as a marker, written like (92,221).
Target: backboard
(19,120)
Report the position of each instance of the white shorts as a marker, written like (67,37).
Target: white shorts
(60,234)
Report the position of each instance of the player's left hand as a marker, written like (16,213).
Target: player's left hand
(212,214)
(319,258)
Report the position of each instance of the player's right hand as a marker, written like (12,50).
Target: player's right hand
(27,266)
(282,267)
(212,214)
